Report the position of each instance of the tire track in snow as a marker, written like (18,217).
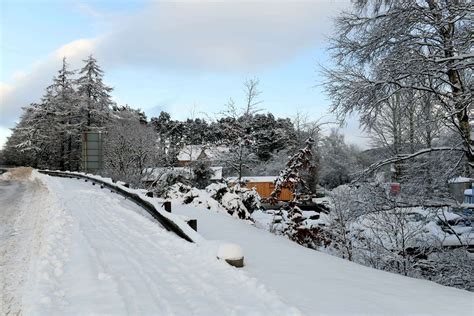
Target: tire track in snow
(155,271)
(34,228)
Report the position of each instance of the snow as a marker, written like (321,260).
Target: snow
(467,237)
(74,248)
(85,250)
(317,283)
(230,252)
(254,179)
(156,202)
(460,180)
(192,152)
(152,174)
(447,216)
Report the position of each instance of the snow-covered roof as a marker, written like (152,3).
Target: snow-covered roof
(460,180)
(217,173)
(152,174)
(192,152)
(254,179)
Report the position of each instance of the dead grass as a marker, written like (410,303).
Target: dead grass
(20,173)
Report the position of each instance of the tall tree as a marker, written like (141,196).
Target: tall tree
(383,48)
(65,104)
(94,93)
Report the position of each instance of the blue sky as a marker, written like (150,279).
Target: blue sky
(172,56)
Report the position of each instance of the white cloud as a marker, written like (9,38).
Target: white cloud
(217,36)
(28,87)
(224,35)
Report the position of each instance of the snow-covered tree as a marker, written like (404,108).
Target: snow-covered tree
(129,147)
(291,175)
(417,48)
(202,174)
(67,118)
(49,131)
(95,95)
(338,160)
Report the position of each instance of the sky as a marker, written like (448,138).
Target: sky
(185,57)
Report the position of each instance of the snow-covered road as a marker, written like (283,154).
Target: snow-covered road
(98,253)
(21,230)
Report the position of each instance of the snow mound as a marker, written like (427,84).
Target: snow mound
(230,252)
(20,173)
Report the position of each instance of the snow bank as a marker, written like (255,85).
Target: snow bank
(235,201)
(317,283)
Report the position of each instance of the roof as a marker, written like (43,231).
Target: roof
(192,152)
(254,179)
(460,180)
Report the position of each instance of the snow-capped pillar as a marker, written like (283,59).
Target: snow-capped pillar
(232,254)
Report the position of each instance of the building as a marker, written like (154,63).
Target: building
(190,153)
(457,187)
(468,197)
(264,186)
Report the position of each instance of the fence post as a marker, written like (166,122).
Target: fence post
(192,223)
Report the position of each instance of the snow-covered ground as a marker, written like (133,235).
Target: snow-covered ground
(93,252)
(72,248)
(317,283)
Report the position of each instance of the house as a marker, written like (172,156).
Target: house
(190,153)
(457,187)
(468,196)
(264,186)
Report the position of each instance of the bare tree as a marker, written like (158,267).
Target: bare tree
(384,48)
(130,149)
(252,94)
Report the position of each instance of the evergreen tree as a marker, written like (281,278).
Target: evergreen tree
(65,102)
(291,176)
(94,94)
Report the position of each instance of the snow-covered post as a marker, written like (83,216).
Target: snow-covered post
(232,254)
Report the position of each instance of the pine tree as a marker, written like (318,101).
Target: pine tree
(291,176)
(94,94)
(65,103)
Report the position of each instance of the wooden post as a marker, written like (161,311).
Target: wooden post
(167,206)
(193,224)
